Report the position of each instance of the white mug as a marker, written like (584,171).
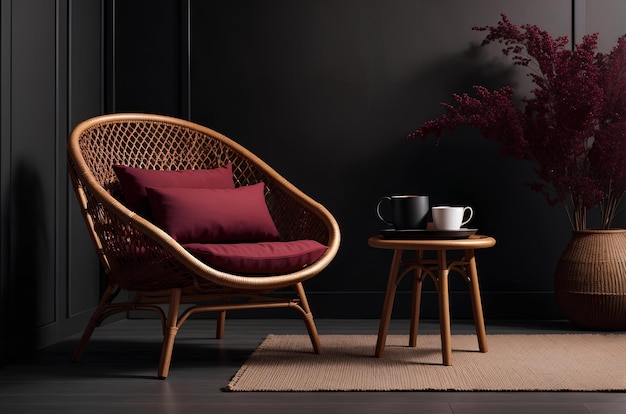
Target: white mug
(450,218)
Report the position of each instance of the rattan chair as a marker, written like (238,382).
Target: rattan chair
(139,257)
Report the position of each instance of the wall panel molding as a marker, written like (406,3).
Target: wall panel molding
(579,9)
(185,59)
(45,88)
(5,163)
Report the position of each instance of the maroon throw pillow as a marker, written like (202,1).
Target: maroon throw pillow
(135,180)
(205,215)
(259,258)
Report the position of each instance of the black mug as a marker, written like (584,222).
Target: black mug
(407,211)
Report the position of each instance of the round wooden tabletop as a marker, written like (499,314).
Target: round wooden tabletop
(473,242)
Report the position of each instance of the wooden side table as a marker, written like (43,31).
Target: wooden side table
(438,269)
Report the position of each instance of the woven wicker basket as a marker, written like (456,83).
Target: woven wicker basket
(590,279)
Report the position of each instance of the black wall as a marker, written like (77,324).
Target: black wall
(325,91)
(52,78)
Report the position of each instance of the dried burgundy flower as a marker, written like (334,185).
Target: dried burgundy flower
(573,127)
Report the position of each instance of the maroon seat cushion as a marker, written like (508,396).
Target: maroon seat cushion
(259,258)
(135,180)
(213,215)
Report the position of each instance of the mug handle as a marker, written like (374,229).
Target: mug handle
(378,210)
(470,215)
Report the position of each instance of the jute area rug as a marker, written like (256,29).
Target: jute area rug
(554,362)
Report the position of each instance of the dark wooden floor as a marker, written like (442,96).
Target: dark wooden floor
(117,375)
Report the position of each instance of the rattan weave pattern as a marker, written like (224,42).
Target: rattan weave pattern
(590,279)
(136,261)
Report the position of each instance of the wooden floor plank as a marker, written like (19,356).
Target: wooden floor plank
(117,375)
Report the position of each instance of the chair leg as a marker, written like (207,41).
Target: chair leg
(477,307)
(93,322)
(444,307)
(390,294)
(416,302)
(415,310)
(171,329)
(308,319)
(221,321)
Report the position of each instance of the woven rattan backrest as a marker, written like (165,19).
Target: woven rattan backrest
(155,145)
(169,145)
(137,255)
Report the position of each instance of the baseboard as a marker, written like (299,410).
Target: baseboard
(27,342)
(368,305)
(496,305)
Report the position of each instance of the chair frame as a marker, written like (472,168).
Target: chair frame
(163,272)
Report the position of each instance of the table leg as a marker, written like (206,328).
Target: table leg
(444,307)
(388,303)
(477,307)
(416,302)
